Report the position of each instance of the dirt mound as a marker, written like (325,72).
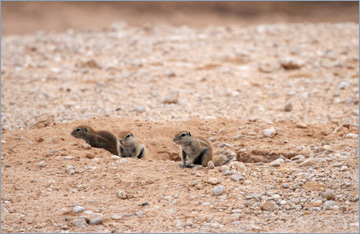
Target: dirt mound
(46,173)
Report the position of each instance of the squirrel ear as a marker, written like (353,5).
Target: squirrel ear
(189,134)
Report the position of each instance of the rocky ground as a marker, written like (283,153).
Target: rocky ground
(281,98)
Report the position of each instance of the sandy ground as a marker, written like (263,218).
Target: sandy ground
(231,84)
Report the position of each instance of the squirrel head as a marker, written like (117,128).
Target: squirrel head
(183,138)
(82,131)
(126,138)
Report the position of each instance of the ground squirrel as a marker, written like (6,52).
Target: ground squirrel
(130,146)
(198,149)
(98,139)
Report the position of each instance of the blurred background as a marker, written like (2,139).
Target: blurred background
(29,17)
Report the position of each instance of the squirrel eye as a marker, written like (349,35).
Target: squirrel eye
(183,135)
(128,135)
(78,130)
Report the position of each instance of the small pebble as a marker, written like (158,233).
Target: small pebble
(239,166)
(140,109)
(228,172)
(343,84)
(210,165)
(317,203)
(236,211)
(172,97)
(139,213)
(352,135)
(97,221)
(121,194)
(42,164)
(80,222)
(277,162)
(213,181)
(270,132)
(291,63)
(68,157)
(269,206)
(307,162)
(327,147)
(86,146)
(116,217)
(329,204)
(115,157)
(224,168)
(123,160)
(288,107)
(237,177)
(218,190)
(78,209)
(301,125)
(286,185)
(238,136)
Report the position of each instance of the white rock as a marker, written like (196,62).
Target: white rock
(116,217)
(301,125)
(307,162)
(78,209)
(171,97)
(291,63)
(210,165)
(115,157)
(97,221)
(277,162)
(239,166)
(224,168)
(140,109)
(81,222)
(270,132)
(42,164)
(68,157)
(121,194)
(254,227)
(218,190)
(213,181)
(237,177)
(343,84)
(86,146)
(352,135)
(123,160)
(329,204)
(236,211)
